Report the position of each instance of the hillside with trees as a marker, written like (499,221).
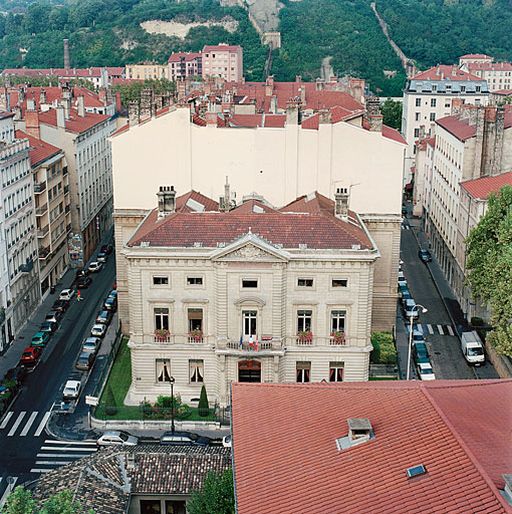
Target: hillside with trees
(105,32)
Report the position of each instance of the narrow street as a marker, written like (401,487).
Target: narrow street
(438,327)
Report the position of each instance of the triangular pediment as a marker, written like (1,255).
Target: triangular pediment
(250,248)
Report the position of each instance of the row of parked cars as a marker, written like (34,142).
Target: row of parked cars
(419,345)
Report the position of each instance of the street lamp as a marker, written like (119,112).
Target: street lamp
(411,318)
(172,380)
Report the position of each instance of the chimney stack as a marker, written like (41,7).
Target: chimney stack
(32,123)
(66,54)
(225,201)
(42,96)
(211,119)
(61,117)
(374,114)
(341,199)
(360,430)
(81,106)
(269,86)
(166,201)
(31,104)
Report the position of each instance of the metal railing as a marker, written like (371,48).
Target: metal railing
(39,187)
(41,210)
(43,232)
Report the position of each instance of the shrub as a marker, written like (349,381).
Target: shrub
(384,351)
(110,402)
(203,407)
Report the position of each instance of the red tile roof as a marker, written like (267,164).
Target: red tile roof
(312,122)
(63,72)
(481,188)
(316,229)
(490,66)
(445,72)
(53,94)
(257,120)
(460,128)
(253,205)
(75,123)
(505,92)
(186,56)
(475,56)
(393,134)
(221,48)
(39,151)
(447,426)
(196,196)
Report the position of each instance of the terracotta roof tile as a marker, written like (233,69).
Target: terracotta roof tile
(393,134)
(221,48)
(312,122)
(186,56)
(481,188)
(446,72)
(75,123)
(39,151)
(475,56)
(460,128)
(302,471)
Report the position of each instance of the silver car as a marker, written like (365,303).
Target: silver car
(117,438)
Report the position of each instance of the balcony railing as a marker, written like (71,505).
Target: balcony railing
(43,232)
(337,340)
(39,187)
(66,190)
(44,252)
(41,210)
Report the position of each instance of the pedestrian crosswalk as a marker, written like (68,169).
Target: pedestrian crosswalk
(405,227)
(429,329)
(24,424)
(54,454)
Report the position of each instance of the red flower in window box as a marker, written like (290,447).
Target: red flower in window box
(338,337)
(305,336)
(161,335)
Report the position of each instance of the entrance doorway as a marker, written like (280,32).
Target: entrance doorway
(249,371)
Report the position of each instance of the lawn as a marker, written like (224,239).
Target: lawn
(119,382)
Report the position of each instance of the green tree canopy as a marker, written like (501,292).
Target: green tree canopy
(217,495)
(392,113)
(489,265)
(22,502)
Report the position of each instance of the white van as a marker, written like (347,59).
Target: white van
(472,348)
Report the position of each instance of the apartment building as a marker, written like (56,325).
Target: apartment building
(474,142)
(325,142)
(147,71)
(225,61)
(182,65)
(422,191)
(497,74)
(21,293)
(428,96)
(53,216)
(228,292)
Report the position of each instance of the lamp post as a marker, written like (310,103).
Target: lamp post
(172,380)
(411,319)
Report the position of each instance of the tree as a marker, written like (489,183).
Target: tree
(217,495)
(489,265)
(62,503)
(22,502)
(392,113)
(203,407)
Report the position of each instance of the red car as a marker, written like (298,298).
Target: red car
(30,355)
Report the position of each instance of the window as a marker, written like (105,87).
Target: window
(163,370)
(338,321)
(432,116)
(196,371)
(150,507)
(478,89)
(336,372)
(339,282)
(249,323)
(433,102)
(304,320)
(303,371)
(194,281)
(417,116)
(418,102)
(195,319)
(249,283)
(305,282)
(416,132)
(160,281)
(161,318)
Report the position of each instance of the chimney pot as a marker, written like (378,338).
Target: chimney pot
(341,201)
(166,200)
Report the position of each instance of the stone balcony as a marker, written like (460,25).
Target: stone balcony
(265,347)
(316,341)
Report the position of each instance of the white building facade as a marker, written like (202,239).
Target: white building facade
(497,74)
(212,301)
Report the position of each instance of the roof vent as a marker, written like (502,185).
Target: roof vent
(356,247)
(198,244)
(257,209)
(415,471)
(303,246)
(359,431)
(144,244)
(195,205)
(221,245)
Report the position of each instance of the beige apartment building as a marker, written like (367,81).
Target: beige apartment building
(182,65)
(245,292)
(428,97)
(497,74)
(53,217)
(280,157)
(147,71)
(225,61)
(424,163)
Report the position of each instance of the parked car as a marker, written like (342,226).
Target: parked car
(91,345)
(102,257)
(107,249)
(420,352)
(40,339)
(67,294)
(410,308)
(98,330)
(83,282)
(54,316)
(30,356)
(60,305)
(104,317)
(425,371)
(117,438)
(81,273)
(226,441)
(95,267)
(71,390)
(110,303)
(402,282)
(18,373)
(85,361)
(424,255)
(183,438)
(48,326)
(418,337)
(113,294)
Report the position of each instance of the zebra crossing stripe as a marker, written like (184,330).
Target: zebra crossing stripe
(430,329)
(17,423)
(28,424)
(79,443)
(6,420)
(60,455)
(36,470)
(60,449)
(53,462)
(450,330)
(41,426)
(440,328)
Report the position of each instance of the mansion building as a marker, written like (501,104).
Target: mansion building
(224,291)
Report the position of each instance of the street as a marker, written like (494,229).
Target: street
(26,447)
(440,334)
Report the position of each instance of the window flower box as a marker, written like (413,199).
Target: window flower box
(162,335)
(196,336)
(337,337)
(305,336)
